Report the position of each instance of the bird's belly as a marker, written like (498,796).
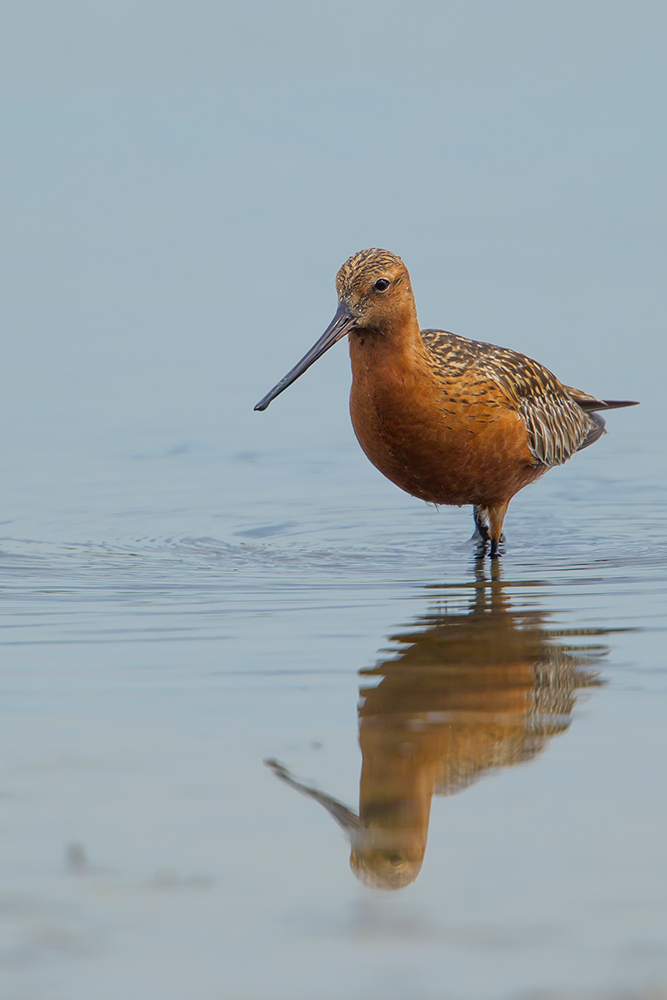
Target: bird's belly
(457,450)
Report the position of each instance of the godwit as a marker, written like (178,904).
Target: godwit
(449,420)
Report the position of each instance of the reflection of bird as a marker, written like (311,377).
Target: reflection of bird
(449,420)
(467,693)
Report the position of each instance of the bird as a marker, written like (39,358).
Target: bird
(449,420)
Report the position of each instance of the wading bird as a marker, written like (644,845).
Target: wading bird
(449,420)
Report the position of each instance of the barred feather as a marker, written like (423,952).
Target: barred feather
(557,424)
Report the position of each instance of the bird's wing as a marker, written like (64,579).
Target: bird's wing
(557,426)
(584,399)
(556,423)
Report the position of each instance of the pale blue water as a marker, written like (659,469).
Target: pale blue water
(189,588)
(147,672)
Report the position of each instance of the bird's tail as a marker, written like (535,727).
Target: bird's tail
(606,404)
(590,404)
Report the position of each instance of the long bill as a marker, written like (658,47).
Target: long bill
(342,323)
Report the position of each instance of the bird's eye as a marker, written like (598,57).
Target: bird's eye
(381,284)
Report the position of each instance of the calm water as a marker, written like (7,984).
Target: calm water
(464,794)
(212,611)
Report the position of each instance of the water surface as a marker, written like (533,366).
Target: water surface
(190,589)
(161,642)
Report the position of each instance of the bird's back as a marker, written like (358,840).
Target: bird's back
(559,420)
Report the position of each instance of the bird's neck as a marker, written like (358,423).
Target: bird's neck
(398,343)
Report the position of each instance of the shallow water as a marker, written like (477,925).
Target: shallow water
(234,658)
(196,614)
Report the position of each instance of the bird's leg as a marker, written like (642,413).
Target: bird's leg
(481,516)
(496,518)
(481,533)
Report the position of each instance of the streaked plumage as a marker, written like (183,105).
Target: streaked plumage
(449,420)
(556,422)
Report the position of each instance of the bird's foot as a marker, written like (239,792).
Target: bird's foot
(497,547)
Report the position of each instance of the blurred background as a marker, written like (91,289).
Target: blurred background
(182,181)
(190,587)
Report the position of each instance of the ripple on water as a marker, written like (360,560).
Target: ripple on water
(554,553)
(271,562)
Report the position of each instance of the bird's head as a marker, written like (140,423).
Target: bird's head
(374,295)
(374,285)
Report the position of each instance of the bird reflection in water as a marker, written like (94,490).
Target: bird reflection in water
(464,695)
